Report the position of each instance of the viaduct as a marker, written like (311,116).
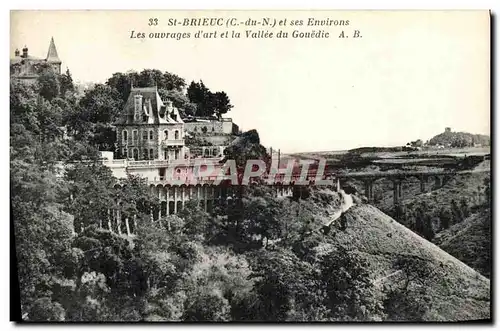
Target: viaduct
(173,197)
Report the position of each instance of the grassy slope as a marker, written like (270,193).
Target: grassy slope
(458,293)
(469,241)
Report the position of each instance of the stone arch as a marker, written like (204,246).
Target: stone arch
(163,208)
(171,207)
(160,192)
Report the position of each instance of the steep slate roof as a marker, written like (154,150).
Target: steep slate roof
(157,111)
(52,53)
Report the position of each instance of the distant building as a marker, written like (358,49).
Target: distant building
(447,129)
(26,68)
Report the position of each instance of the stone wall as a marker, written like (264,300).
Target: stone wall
(215,127)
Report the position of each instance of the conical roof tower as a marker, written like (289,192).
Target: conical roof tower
(52,56)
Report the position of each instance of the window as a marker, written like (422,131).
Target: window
(151,154)
(135,136)
(165,133)
(145,154)
(165,154)
(125,153)
(195,129)
(125,136)
(213,129)
(145,135)
(176,154)
(176,135)
(150,134)
(136,154)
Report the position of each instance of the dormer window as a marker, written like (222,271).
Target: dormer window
(150,134)
(176,135)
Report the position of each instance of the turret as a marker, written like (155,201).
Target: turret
(25,51)
(16,53)
(52,56)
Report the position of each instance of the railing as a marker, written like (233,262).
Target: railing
(191,180)
(172,142)
(160,163)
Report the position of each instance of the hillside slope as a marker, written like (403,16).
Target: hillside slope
(454,290)
(469,241)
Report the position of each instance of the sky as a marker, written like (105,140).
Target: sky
(409,76)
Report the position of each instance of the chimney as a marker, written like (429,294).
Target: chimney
(16,53)
(138,107)
(169,104)
(25,51)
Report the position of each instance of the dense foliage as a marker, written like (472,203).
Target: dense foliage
(256,258)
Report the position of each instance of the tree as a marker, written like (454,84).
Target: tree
(90,194)
(207,307)
(46,310)
(487,190)
(410,300)
(66,83)
(350,293)
(92,119)
(48,84)
(208,103)
(200,95)
(428,230)
(179,100)
(284,285)
(445,217)
(220,103)
(464,208)
(122,84)
(456,212)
